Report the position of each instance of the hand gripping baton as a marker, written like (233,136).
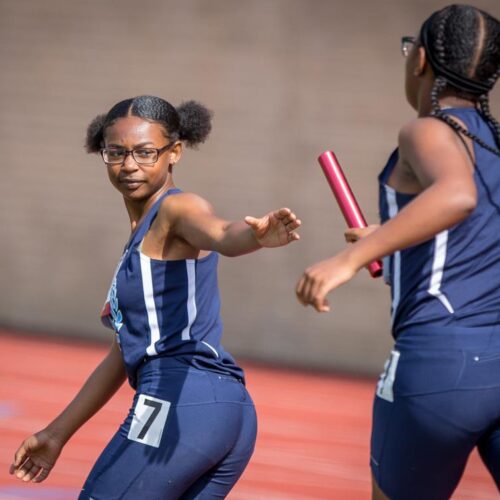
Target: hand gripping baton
(345,199)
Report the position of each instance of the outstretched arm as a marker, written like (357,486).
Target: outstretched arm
(37,455)
(192,218)
(433,152)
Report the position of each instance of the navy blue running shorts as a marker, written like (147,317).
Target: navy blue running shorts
(189,434)
(438,398)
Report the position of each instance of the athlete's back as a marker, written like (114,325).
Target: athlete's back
(453,279)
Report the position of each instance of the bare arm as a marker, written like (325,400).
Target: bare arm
(37,454)
(448,197)
(192,218)
(434,154)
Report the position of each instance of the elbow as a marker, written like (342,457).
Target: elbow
(227,253)
(464,204)
(469,205)
(231,253)
(469,200)
(224,250)
(233,250)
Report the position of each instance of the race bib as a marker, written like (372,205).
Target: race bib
(386,382)
(150,415)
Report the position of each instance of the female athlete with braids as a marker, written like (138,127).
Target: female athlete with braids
(439,396)
(192,426)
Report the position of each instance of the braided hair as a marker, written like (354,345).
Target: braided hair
(462,45)
(189,122)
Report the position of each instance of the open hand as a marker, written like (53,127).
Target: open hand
(276,228)
(35,457)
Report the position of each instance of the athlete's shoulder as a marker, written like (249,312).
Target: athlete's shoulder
(424,130)
(183,203)
(428,130)
(433,150)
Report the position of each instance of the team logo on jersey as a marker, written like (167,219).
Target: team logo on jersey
(115,313)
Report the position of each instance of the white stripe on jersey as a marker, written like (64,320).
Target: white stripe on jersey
(210,347)
(149,299)
(440,244)
(191,301)
(396,272)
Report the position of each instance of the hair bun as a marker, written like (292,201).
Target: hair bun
(95,134)
(195,122)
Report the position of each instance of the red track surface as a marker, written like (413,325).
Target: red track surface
(313,435)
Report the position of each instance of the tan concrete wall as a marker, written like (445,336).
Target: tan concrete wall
(287,79)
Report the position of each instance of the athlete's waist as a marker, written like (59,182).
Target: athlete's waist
(166,363)
(448,337)
(186,363)
(431,314)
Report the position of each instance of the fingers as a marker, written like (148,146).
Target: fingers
(293,224)
(42,475)
(20,467)
(276,228)
(286,216)
(31,470)
(321,305)
(27,464)
(318,300)
(19,458)
(251,221)
(27,470)
(290,221)
(283,215)
(300,290)
(14,468)
(311,291)
(258,225)
(282,212)
(352,235)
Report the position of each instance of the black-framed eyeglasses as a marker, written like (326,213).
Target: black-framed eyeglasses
(407,42)
(142,156)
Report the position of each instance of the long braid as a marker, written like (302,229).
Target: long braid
(441,83)
(441,115)
(484,103)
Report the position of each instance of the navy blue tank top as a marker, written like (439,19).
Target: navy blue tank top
(454,278)
(167,308)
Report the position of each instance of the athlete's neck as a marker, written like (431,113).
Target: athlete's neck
(446,100)
(138,209)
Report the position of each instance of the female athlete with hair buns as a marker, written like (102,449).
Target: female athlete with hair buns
(192,426)
(439,396)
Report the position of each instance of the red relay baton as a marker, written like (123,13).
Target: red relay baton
(345,199)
